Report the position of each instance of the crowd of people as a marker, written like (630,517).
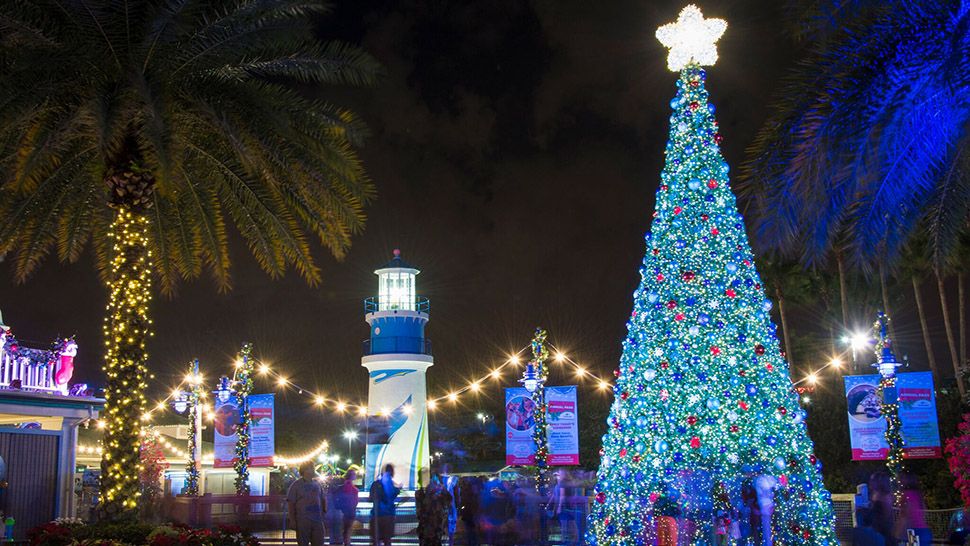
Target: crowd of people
(880,523)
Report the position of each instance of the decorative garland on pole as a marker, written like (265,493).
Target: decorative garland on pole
(887,364)
(195,414)
(539,356)
(244,386)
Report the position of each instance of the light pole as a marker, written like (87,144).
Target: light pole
(190,401)
(886,364)
(534,380)
(350,435)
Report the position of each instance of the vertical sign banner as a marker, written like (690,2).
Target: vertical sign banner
(917,411)
(262,443)
(917,415)
(520,450)
(562,426)
(225,423)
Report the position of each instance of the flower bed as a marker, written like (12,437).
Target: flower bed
(65,532)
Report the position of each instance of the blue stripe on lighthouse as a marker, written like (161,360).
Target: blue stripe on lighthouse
(383,375)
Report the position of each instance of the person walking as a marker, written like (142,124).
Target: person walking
(345,500)
(383,495)
(912,512)
(432,509)
(306,505)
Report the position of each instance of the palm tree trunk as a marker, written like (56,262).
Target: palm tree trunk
(930,358)
(843,292)
(950,339)
(784,325)
(885,300)
(127,328)
(962,320)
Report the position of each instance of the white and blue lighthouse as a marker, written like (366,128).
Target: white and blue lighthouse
(396,356)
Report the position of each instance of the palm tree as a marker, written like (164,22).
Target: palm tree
(914,266)
(140,126)
(865,147)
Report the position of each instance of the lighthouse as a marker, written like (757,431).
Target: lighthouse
(396,356)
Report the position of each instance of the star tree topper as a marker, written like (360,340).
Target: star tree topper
(691,39)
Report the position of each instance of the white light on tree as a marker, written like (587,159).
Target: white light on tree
(692,39)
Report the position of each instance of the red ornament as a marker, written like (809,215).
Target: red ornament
(616,373)
(679,317)
(715,350)
(812,458)
(623,452)
(691,420)
(694,83)
(636,458)
(759,349)
(730,293)
(718,138)
(695,442)
(714,231)
(663,187)
(624,395)
(742,372)
(601,497)
(694,106)
(677,210)
(770,368)
(704,217)
(747,262)
(743,405)
(664,365)
(688,275)
(782,410)
(660,277)
(712,183)
(671,304)
(734,428)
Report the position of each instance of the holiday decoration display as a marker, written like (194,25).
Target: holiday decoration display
(194,462)
(886,364)
(66,350)
(534,380)
(244,387)
(704,407)
(126,331)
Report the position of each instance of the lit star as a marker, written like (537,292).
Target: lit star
(691,39)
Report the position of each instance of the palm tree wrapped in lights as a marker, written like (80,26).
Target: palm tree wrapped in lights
(145,130)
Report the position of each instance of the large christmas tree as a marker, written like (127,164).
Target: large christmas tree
(705,421)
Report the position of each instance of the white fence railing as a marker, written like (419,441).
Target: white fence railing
(29,369)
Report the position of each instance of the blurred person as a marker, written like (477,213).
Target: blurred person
(569,506)
(959,527)
(864,534)
(306,504)
(526,512)
(494,511)
(330,484)
(470,491)
(912,511)
(451,485)
(881,505)
(383,496)
(346,498)
(432,509)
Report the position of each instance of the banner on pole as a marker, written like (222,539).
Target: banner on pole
(224,425)
(562,427)
(262,443)
(917,416)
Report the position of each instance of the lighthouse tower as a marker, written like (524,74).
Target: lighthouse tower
(396,356)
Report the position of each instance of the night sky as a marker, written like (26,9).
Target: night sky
(516,149)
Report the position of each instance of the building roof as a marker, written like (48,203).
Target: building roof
(397,262)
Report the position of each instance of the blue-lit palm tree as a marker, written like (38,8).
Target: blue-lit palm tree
(868,144)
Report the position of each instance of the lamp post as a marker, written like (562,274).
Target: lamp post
(189,402)
(886,364)
(350,435)
(534,380)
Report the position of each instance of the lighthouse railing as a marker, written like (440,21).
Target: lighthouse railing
(372,305)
